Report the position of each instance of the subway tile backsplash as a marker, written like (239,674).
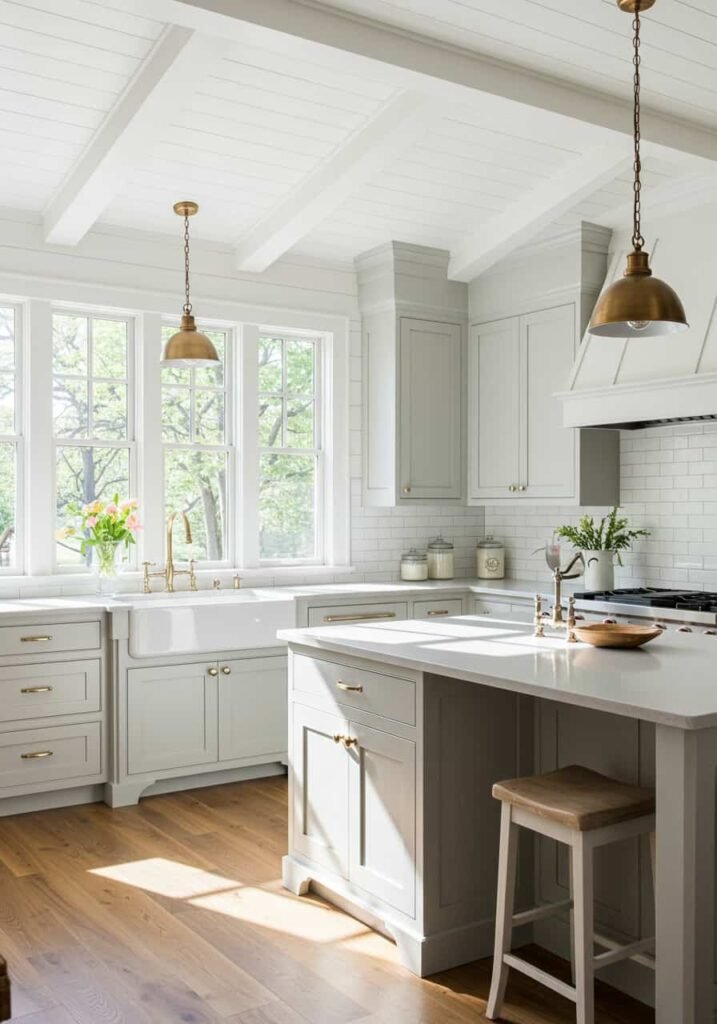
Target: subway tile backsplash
(668,486)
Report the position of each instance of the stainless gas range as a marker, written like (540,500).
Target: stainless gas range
(682,608)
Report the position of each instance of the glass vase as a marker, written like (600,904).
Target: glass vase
(107,564)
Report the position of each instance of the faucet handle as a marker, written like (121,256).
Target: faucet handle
(192,575)
(146,588)
(236,582)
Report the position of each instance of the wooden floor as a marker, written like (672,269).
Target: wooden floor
(173,911)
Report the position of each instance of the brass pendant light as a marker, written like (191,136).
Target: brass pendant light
(188,347)
(638,305)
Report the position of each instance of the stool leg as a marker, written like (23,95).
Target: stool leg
(507,862)
(581,854)
(572,920)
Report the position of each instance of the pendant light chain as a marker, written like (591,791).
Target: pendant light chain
(637,240)
(187,303)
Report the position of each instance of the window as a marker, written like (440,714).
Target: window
(92,414)
(289,449)
(9,436)
(196,440)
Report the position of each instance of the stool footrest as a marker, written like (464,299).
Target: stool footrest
(538,913)
(618,951)
(568,991)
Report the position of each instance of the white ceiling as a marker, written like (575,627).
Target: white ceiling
(257,129)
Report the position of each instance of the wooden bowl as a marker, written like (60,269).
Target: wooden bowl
(607,634)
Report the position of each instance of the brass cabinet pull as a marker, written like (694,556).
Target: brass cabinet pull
(437,611)
(348,741)
(512,488)
(213,671)
(522,487)
(36,689)
(34,754)
(359,617)
(407,490)
(349,688)
(226,670)
(33,639)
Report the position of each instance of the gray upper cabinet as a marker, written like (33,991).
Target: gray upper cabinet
(413,410)
(518,449)
(430,448)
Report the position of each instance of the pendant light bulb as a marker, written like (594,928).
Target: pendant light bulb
(637,305)
(188,347)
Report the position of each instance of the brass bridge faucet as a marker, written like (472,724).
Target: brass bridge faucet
(556,620)
(169,572)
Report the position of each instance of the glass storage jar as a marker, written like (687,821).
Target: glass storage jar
(490,559)
(414,565)
(440,559)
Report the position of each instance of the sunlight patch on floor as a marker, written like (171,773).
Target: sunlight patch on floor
(284,913)
(278,910)
(166,878)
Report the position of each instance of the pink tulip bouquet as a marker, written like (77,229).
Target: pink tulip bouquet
(104,530)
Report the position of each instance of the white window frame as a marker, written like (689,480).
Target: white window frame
(130,444)
(317,451)
(232,399)
(18,439)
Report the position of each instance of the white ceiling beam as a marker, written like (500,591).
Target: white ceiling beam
(415,62)
(162,86)
(673,196)
(526,218)
(390,132)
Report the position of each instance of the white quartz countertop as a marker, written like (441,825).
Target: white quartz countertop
(671,680)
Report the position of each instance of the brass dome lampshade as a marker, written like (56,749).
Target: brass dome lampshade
(638,305)
(188,347)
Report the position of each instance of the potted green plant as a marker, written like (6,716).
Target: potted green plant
(600,544)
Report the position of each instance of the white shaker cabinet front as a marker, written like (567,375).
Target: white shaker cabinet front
(430,450)
(413,400)
(171,717)
(320,789)
(382,816)
(252,708)
(519,451)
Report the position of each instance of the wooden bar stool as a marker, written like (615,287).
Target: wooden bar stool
(582,809)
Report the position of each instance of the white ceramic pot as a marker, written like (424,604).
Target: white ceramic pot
(599,570)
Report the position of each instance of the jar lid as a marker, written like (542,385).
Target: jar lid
(413,556)
(489,542)
(439,544)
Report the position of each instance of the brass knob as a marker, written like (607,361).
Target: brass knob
(522,487)
(226,670)
(512,488)
(406,490)
(349,741)
(213,671)
(337,737)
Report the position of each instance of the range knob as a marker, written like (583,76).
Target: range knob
(710,632)
(684,629)
(659,625)
(609,622)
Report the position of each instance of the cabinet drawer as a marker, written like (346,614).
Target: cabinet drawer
(357,613)
(62,636)
(37,756)
(388,696)
(439,608)
(41,691)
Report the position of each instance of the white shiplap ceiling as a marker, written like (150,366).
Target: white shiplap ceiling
(301,139)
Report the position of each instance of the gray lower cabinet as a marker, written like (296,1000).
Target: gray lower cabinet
(171,718)
(382,816)
(354,806)
(252,708)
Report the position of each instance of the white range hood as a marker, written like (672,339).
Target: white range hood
(637,382)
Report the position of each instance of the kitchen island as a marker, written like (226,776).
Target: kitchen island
(397,732)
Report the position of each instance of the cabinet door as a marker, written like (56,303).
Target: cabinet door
(252,708)
(383,816)
(171,717)
(494,409)
(547,353)
(430,452)
(320,789)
